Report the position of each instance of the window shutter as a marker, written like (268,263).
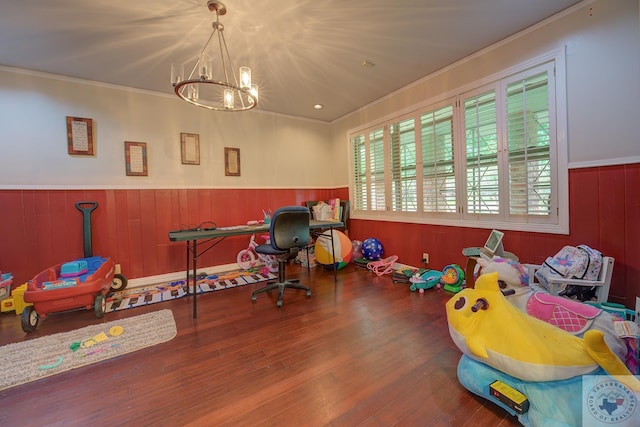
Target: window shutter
(376,167)
(359,172)
(481,138)
(402,138)
(438,170)
(529,139)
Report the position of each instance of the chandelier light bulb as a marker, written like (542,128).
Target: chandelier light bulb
(245,77)
(228,99)
(205,66)
(177,73)
(192,93)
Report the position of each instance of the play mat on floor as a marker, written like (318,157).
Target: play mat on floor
(136,297)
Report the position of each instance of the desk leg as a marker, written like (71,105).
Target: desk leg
(195,258)
(471,265)
(333,252)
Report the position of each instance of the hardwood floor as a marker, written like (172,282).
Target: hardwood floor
(360,352)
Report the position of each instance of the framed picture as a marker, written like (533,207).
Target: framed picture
(80,140)
(231,161)
(135,154)
(190,148)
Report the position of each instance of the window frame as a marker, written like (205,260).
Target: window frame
(558,220)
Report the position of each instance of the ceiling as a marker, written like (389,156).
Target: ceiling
(302,52)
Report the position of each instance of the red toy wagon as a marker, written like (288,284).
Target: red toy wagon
(79,284)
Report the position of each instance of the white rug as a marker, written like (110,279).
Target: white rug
(45,356)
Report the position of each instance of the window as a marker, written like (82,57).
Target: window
(489,154)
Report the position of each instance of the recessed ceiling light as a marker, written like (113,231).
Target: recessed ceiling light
(318,106)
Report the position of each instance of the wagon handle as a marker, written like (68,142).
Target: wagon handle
(86,208)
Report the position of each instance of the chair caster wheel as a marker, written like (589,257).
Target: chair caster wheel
(279,303)
(308,294)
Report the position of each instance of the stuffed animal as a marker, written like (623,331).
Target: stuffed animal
(509,271)
(489,329)
(570,315)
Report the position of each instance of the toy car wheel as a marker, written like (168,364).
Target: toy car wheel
(29,319)
(100,306)
(118,283)
(246,259)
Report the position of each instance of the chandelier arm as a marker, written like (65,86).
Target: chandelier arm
(240,91)
(221,40)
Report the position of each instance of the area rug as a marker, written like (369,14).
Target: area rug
(137,297)
(45,356)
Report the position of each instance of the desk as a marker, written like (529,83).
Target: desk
(211,238)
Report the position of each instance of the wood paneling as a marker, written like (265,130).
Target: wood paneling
(42,228)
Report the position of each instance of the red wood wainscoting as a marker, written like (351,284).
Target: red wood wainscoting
(604,213)
(40,228)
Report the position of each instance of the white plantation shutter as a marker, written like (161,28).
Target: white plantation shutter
(402,145)
(487,154)
(529,145)
(359,165)
(481,140)
(376,167)
(438,168)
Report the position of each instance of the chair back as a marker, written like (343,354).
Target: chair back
(290,227)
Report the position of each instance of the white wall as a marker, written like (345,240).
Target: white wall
(603,96)
(603,81)
(276,151)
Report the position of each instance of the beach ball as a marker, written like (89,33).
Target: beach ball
(342,249)
(372,249)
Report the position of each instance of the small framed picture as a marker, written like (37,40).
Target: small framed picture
(231,161)
(80,141)
(190,148)
(135,154)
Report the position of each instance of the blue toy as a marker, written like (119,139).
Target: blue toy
(424,280)
(372,249)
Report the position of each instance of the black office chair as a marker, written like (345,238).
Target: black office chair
(289,232)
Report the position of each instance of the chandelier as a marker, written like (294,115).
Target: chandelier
(216,88)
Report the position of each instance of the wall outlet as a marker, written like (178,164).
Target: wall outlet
(117,269)
(425,258)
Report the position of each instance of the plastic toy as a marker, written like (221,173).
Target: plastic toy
(6,280)
(49,293)
(425,279)
(248,258)
(383,266)
(452,278)
(372,249)
(342,248)
(16,301)
(357,248)
(572,316)
(540,360)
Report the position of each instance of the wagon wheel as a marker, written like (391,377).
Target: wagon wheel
(100,305)
(118,283)
(29,319)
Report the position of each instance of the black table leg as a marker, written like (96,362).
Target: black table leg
(195,257)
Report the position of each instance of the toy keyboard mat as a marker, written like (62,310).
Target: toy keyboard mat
(136,297)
